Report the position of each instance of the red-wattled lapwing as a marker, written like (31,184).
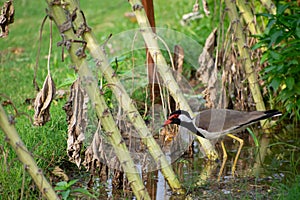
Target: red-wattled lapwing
(216,123)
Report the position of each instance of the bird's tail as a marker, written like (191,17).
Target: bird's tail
(272,113)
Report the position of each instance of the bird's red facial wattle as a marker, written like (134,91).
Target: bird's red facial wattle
(170,119)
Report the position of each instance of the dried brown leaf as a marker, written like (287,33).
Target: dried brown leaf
(43,101)
(76,110)
(178,61)
(6,17)
(92,157)
(60,173)
(205,7)
(206,59)
(207,71)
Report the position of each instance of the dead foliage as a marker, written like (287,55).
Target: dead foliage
(57,171)
(98,153)
(207,72)
(76,111)
(222,72)
(43,101)
(6,17)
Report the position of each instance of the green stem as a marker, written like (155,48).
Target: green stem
(128,106)
(250,73)
(248,16)
(25,157)
(164,70)
(58,14)
(245,54)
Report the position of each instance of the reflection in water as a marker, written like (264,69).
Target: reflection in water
(162,187)
(198,175)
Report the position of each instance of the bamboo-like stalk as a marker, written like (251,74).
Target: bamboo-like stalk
(128,106)
(58,14)
(252,79)
(244,54)
(164,71)
(269,5)
(248,16)
(25,157)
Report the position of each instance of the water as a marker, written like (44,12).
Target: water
(199,176)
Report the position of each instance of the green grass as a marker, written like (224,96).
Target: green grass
(48,143)
(290,191)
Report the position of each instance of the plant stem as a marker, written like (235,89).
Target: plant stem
(164,71)
(248,16)
(241,42)
(128,106)
(25,157)
(58,14)
(269,5)
(250,73)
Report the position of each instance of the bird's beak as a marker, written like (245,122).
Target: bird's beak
(168,121)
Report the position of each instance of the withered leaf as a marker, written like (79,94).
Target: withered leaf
(206,59)
(178,60)
(100,154)
(76,110)
(205,7)
(43,101)
(207,71)
(6,17)
(92,157)
(60,173)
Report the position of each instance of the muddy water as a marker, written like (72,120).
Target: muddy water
(199,176)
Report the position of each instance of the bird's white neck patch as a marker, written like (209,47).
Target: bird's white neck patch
(184,118)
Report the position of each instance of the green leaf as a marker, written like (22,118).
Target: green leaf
(275,55)
(264,58)
(72,182)
(61,185)
(298,30)
(258,45)
(282,8)
(290,82)
(274,37)
(270,25)
(65,194)
(256,142)
(84,191)
(270,68)
(265,15)
(275,83)
(57,188)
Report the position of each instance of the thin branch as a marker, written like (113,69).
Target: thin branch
(36,86)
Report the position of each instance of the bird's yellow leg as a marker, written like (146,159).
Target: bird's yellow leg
(224,160)
(238,152)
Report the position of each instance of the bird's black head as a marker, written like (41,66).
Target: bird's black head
(182,118)
(177,117)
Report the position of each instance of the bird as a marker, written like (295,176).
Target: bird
(214,124)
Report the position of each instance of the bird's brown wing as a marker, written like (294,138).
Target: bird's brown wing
(218,120)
